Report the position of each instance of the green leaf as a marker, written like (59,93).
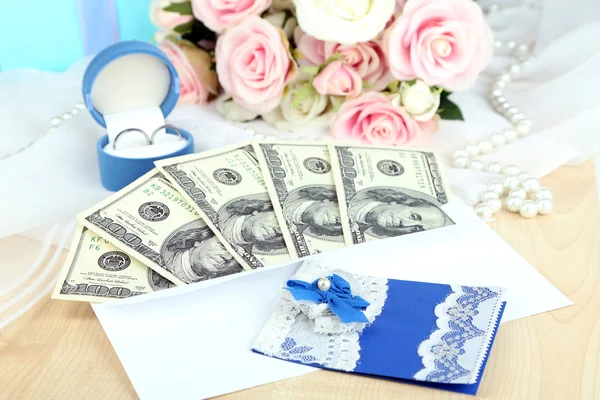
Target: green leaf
(185,28)
(367,85)
(333,57)
(180,8)
(437,90)
(171,37)
(307,90)
(312,71)
(199,33)
(337,102)
(449,110)
(394,87)
(445,94)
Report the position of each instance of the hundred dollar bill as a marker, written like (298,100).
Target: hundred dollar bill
(151,221)
(387,191)
(96,271)
(229,192)
(300,182)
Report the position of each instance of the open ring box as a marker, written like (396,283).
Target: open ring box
(129,88)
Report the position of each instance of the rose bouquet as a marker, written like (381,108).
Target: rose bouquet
(379,71)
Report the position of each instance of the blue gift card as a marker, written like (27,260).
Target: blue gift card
(414,332)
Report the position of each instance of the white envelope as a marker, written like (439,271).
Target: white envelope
(194,342)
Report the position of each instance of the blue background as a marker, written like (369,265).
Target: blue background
(45,34)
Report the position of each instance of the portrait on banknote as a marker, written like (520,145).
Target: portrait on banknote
(250,223)
(158,282)
(315,212)
(194,253)
(383,212)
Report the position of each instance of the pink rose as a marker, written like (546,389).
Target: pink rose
(431,126)
(371,118)
(254,64)
(444,43)
(338,79)
(219,15)
(312,50)
(367,59)
(165,19)
(400,6)
(198,83)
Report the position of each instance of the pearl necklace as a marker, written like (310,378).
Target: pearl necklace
(518,184)
(55,122)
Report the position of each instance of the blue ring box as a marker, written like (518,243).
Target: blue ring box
(117,172)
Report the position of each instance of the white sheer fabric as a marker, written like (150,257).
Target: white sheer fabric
(57,175)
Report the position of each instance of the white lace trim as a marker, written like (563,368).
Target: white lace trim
(277,328)
(310,333)
(466,321)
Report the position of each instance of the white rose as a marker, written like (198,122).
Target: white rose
(418,99)
(344,21)
(281,20)
(231,111)
(314,108)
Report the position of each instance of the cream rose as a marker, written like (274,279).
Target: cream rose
(313,108)
(344,21)
(280,19)
(418,99)
(282,5)
(232,111)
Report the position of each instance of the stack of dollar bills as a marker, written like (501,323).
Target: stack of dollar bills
(247,206)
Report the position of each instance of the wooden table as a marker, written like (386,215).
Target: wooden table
(58,350)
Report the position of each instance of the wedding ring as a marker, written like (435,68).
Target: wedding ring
(165,127)
(130,130)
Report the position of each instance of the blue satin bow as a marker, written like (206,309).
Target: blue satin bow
(339,297)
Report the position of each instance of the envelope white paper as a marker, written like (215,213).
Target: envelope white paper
(194,342)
